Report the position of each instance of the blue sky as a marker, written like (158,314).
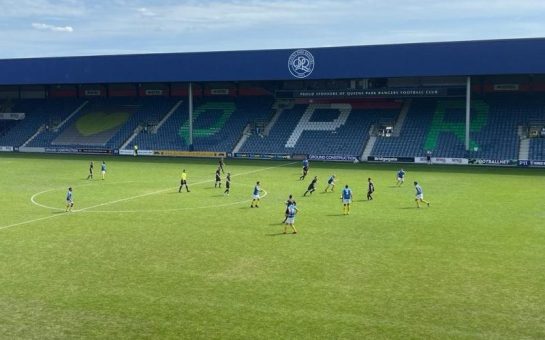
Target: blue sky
(39,28)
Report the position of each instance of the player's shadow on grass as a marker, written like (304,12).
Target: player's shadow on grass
(335,215)
(277,234)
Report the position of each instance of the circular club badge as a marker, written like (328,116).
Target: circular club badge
(301,63)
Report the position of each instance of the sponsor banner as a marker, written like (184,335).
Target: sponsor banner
(391,159)
(6,148)
(129,152)
(99,151)
(31,149)
(503,162)
(78,150)
(126,152)
(299,157)
(61,150)
(538,163)
(154,92)
(93,92)
(197,154)
(506,87)
(219,92)
(524,163)
(442,160)
(336,158)
(261,155)
(378,93)
(12,116)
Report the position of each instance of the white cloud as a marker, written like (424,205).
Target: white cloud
(46,27)
(145,12)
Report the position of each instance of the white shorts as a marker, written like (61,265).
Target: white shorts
(401,179)
(256,197)
(290,220)
(420,196)
(103,172)
(347,200)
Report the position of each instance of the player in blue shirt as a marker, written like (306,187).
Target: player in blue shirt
(256,195)
(400,177)
(419,195)
(69,200)
(330,183)
(103,169)
(346,196)
(290,218)
(305,170)
(288,203)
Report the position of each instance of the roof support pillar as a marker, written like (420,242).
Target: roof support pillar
(190,101)
(468,111)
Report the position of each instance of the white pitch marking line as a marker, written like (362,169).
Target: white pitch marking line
(173,209)
(30,221)
(121,200)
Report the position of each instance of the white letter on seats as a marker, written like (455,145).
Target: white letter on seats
(306,125)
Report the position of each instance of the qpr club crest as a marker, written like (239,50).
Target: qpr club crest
(301,63)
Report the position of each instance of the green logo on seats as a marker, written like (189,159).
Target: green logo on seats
(479,118)
(226,109)
(95,122)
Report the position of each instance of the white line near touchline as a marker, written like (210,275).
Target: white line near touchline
(128,198)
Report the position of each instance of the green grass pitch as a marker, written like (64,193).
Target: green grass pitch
(137,259)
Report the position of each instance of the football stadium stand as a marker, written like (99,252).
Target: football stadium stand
(261,124)
(106,122)
(40,114)
(336,128)
(439,126)
(217,124)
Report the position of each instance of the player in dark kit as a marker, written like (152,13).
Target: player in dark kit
(312,186)
(221,164)
(227,184)
(305,170)
(370,189)
(91,167)
(289,202)
(218,178)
